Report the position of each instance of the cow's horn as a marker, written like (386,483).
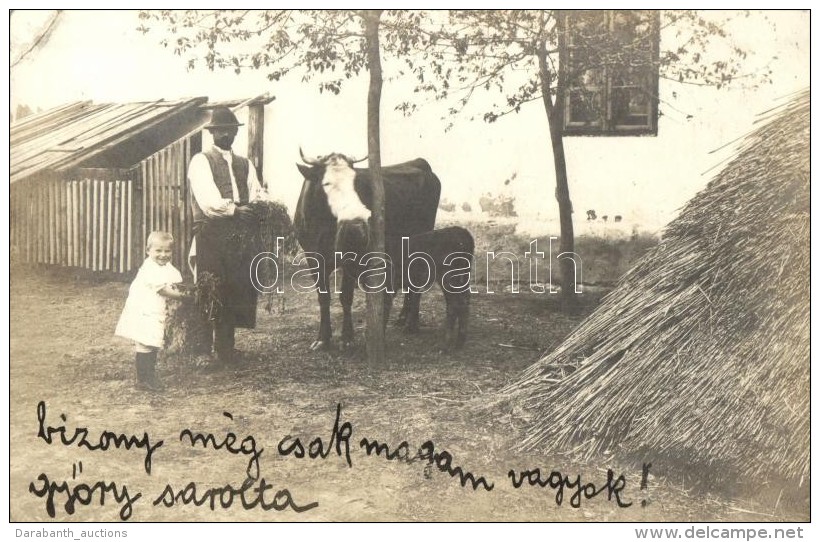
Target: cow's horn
(356,161)
(310,161)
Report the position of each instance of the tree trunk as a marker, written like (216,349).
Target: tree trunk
(375,299)
(256,135)
(555,118)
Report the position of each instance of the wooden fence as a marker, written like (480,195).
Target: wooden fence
(99,219)
(167,198)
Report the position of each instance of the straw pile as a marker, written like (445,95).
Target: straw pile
(701,354)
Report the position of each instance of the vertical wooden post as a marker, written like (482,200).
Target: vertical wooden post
(45,229)
(109,242)
(24,208)
(150,197)
(46,222)
(70,211)
(87,221)
(142,200)
(69,187)
(38,214)
(131,220)
(159,180)
(166,186)
(62,188)
(256,136)
(100,225)
(54,210)
(88,213)
(173,175)
(27,200)
(95,226)
(52,221)
(183,224)
(75,220)
(115,213)
(122,195)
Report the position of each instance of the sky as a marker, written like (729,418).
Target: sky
(100,56)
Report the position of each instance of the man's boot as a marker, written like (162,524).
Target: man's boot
(224,340)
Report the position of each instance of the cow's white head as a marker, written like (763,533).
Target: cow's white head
(336,174)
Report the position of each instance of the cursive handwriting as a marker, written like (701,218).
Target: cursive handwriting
(559,482)
(83,494)
(247,446)
(442,460)
(225,497)
(340,436)
(106,440)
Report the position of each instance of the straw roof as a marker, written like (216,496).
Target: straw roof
(701,354)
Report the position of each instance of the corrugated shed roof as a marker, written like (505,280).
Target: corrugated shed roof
(64,137)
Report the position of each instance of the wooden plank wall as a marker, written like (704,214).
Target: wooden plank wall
(99,219)
(166,198)
(75,222)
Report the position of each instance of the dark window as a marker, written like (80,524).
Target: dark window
(609,72)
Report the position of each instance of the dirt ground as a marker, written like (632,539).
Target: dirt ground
(63,353)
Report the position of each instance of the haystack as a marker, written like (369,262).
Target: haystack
(701,354)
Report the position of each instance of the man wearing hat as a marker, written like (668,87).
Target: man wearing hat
(225,231)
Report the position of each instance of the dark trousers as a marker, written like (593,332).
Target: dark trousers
(225,249)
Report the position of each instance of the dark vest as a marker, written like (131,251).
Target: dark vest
(222,179)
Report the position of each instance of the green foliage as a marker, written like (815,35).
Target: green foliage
(498,50)
(452,54)
(329,45)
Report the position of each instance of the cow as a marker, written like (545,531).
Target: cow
(334,193)
(443,257)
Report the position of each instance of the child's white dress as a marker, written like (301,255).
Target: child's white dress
(143,318)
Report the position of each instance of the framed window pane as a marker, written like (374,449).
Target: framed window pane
(609,72)
(631,107)
(585,107)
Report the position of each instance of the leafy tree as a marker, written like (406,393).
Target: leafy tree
(333,45)
(515,53)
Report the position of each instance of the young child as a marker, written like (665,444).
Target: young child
(143,318)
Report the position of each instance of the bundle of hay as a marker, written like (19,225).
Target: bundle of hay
(188,323)
(188,328)
(274,222)
(701,354)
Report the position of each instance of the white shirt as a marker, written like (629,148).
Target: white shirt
(208,197)
(206,193)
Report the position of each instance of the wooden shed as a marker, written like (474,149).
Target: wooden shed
(89,181)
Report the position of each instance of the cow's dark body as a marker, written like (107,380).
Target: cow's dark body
(412,194)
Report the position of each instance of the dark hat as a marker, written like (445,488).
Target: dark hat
(222,117)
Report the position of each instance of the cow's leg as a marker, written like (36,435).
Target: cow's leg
(402,318)
(463,318)
(346,298)
(450,321)
(412,301)
(388,306)
(323,342)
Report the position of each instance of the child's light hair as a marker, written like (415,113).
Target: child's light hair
(158,237)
